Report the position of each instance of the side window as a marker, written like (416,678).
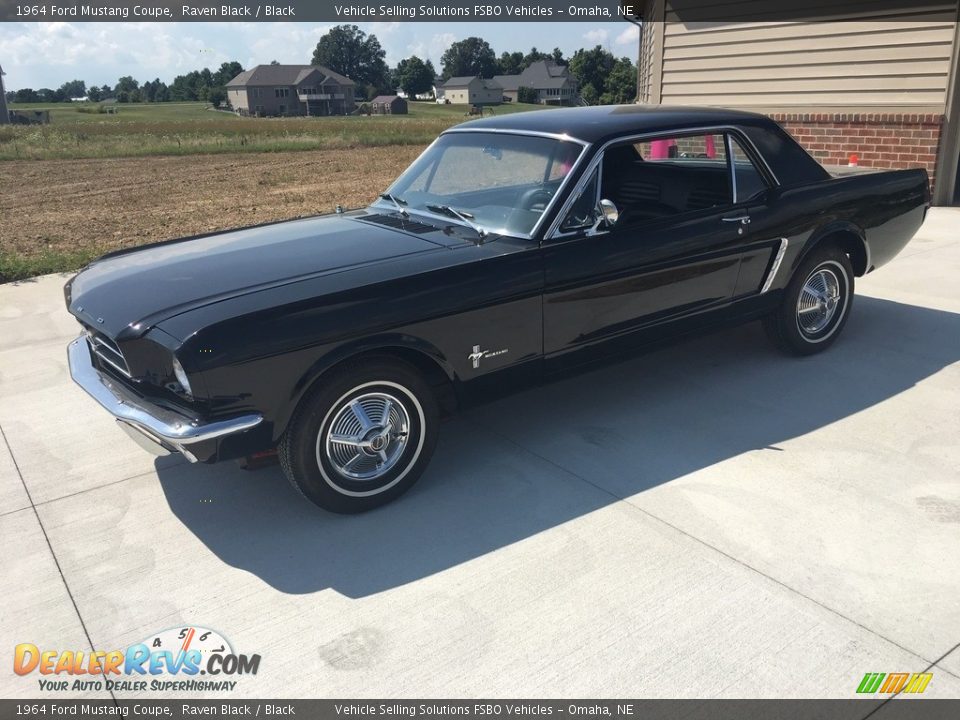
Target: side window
(750,182)
(581,214)
(666,177)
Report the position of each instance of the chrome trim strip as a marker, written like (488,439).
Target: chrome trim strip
(167,426)
(728,145)
(741,137)
(509,131)
(776,265)
(554,230)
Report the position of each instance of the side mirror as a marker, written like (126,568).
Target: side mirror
(609,212)
(606,214)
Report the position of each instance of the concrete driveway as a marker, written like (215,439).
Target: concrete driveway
(708,520)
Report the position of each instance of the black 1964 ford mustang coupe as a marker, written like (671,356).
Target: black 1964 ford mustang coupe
(513,249)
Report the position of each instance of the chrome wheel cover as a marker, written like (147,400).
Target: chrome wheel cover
(818,302)
(367,436)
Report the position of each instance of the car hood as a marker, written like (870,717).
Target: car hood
(125,293)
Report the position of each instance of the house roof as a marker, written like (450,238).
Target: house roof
(284,75)
(385,99)
(459,81)
(541,74)
(507,82)
(545,74)
(465,80)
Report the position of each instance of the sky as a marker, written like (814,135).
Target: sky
(39,55)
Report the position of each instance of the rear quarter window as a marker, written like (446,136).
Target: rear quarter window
(790,163)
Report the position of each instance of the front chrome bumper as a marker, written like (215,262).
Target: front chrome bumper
(168,430)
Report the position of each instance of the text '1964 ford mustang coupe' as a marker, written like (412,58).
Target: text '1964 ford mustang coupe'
(513,249)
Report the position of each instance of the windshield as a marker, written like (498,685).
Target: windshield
(493,182)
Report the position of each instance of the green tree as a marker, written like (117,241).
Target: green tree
(557,56)
(349,51)
(527,95)
(218,96)
(126,84)
(589,94)
(195,85)
(415,76)
(27,95)
(51,96)
(592,67)
(533,56)
(510,63)
(154,91)
(472,56)
(94,93)
(74,88)
(621,84)
(227,72)
(184,87)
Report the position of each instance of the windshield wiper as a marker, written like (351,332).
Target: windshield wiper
(466,218)
(397,202)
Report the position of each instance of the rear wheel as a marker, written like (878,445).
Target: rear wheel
(362,438)
(815,304)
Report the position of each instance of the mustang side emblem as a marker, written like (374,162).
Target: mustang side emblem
(477,355)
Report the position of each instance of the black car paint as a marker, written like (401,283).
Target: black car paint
(256,316)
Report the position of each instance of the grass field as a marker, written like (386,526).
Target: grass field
(192,128)
(59,214)
(89,183)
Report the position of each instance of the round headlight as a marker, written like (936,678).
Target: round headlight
(181,376)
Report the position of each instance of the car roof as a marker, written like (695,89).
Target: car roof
(602,122)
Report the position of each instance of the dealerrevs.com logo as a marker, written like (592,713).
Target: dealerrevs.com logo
(171,660)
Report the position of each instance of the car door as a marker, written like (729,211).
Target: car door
(675,250)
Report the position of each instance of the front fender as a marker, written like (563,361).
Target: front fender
(401,345)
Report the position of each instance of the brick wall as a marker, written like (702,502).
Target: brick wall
(881,140)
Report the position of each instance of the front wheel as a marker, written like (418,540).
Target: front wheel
(362,438)
(815,304)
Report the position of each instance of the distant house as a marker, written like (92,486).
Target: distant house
(472,91)
(291,90)
(429,95)
(4,114)
(388,105)
(552,82)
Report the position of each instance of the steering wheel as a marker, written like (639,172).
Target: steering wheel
(535,199)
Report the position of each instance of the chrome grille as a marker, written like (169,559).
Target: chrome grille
(108,351)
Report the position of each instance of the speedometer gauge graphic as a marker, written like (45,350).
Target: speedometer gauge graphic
(193,637)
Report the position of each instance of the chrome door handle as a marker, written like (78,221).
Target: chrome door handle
(742,219)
